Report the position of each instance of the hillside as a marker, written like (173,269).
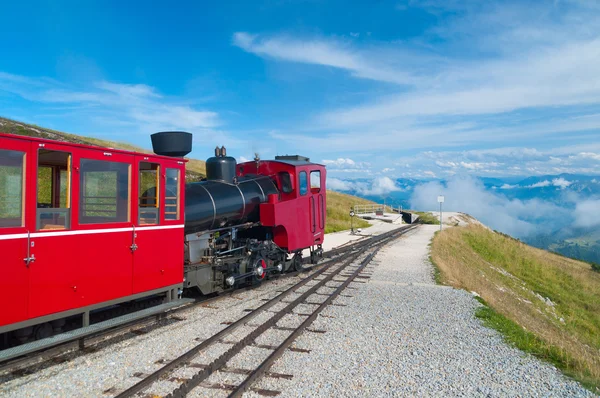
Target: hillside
(543,303)
(196,169)
(338,204)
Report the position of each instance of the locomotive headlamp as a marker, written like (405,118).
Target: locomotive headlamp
(230,280)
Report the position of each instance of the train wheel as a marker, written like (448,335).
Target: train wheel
(260,269)
(42,331)
(297,262)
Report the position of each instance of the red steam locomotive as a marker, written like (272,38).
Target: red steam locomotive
(83,228)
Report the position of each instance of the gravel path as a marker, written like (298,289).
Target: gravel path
(402,335)
(397,335)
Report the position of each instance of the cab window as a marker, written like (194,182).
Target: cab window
(315,181)
(286,182)
(303,183)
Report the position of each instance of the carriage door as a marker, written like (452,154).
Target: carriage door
(13,233)
(147,257)
(317,200)
(54,275)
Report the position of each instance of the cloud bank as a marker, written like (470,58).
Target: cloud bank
(376,187)
(519,218)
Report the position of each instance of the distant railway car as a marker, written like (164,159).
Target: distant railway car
(84,227)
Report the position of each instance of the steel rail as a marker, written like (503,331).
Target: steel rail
(267,363)
(218,363)
(187,356)
(47,353)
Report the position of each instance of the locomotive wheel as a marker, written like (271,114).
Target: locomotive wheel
(297,263)
(260,269)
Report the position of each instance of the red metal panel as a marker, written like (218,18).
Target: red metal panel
(158,260)
(14,273)
(13,283)
(104,262)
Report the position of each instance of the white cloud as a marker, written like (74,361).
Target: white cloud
(323,52)
(243,159)
(561,183)
(540,184)
(339,162)
(508,186)
(138,105)
(587,213)
(375,187)
(387,170)
(519,60)
(515,217)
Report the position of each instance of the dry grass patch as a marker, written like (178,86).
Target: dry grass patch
(556,300)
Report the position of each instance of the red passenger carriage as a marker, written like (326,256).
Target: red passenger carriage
(84,228)
(75,233)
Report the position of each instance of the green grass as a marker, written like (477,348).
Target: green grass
(528,342)
(426,217)
(338,212)
(542,303)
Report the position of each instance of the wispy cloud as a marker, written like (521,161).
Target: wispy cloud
(134,104)
(325,52)
(490,73)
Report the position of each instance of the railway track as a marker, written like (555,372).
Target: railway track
(340,272)
(53,351)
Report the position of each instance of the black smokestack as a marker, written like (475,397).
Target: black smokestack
(172,143)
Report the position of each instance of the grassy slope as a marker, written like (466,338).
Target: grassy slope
(338,211)
(338,204)
(545,304)
(196,168)
(426,217)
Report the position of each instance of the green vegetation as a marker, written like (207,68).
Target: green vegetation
(426,217)
(338,212)
(543,303)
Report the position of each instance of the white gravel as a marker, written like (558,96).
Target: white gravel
(401,335)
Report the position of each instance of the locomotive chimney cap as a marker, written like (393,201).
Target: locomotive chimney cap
(172,143)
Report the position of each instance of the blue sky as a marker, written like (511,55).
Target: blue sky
(373,89)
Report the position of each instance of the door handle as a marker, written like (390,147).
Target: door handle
(29,260)
(30,257)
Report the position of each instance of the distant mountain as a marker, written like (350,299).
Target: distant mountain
(555,230)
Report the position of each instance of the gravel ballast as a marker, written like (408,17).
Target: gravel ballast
(398,334)
(402,335)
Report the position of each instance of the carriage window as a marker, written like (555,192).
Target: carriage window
(303,183)
(172,195)
(286,182)
(12,164)
(104,191)
(315,181)
(53,190)
(149,190)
